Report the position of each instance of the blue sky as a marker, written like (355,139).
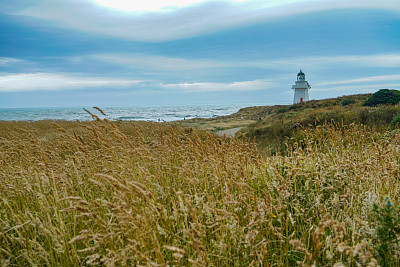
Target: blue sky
(174,52)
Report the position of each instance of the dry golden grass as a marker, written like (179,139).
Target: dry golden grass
(101,193)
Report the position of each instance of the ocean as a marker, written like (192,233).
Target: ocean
(153,113)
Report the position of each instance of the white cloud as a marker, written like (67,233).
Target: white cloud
(315,63)
(280,73)
(148,5)
(159,62)
(377,60)
(183,22)
(171,5)
(361,88)
(395,77)
(216,87)
(309,63)
(7,60)
(49,81)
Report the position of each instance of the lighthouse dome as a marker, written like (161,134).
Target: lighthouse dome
(301,76)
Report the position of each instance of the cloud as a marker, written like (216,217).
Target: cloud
(50,81)
(278,73)
(148,5)
(189,21)
(395,77)
(159,62)
(312,63)
(376,60)
(218,87)
(6,61)
(361,88)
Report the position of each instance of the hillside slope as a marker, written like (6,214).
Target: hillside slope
(250,115)
(278,127)
(271,126)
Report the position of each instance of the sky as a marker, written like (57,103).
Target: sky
(177,52)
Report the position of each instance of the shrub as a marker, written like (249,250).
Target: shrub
(384,96)
(387,232)
(348,102)
(396,119)
(283,110)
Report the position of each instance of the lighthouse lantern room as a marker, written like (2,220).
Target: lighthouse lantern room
(301,88)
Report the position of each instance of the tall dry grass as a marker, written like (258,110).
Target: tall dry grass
(104,193)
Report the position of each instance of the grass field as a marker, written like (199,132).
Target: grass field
(149,194)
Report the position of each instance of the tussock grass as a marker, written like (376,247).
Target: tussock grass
(272,133)
(126,194)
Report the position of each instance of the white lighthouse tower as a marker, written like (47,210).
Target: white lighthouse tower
(301,88)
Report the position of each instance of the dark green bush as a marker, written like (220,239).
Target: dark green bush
(384,96)
(283,110)
(387,233)
(396,119)
(348,102)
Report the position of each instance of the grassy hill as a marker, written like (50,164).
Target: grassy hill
(272,126)
(263,115)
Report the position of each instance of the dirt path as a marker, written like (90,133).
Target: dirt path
(229,132)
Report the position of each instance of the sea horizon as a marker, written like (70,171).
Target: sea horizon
(134,113)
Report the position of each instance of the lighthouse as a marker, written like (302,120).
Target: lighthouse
(301,88)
